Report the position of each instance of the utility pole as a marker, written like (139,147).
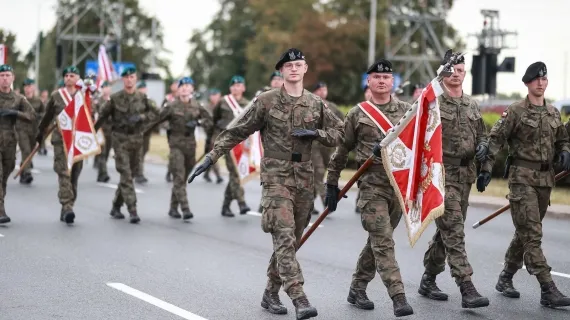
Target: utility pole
(153,57)
(372,32)
(37,53)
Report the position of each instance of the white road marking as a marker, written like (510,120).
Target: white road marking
(258,214)
(554,273)
(114,186)
(1,235)
(155,301)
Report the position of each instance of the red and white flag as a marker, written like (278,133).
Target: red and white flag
(106,71)
(76,126)
(412,156)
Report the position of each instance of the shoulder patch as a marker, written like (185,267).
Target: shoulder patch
(504,114)
(325,104)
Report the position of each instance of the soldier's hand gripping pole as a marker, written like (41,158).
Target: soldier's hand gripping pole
(479,223)
(34,151)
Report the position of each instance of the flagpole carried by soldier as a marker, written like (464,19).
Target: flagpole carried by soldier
(127,110)
(184,115)
(229,107)
(214,96)
(103,157)
(367,97)
(139,175)
(537,139)
(464,139)
(13,108)
(378,202)
(289,120)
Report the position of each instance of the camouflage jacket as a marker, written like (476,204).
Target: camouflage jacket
(107,126)
(54,107)
(362,134)
(38,107)
(462,130)
(222,114)
(8,128)
(276,114)
(535,135)
(121,106)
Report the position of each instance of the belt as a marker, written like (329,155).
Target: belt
(373,168)
(295,156)
(462,162)
(539,166)
(125,130)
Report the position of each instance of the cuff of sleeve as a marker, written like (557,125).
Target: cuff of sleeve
(332,178)
(214,155)
(566,148)
(486,166)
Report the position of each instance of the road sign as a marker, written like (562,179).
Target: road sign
(92,66)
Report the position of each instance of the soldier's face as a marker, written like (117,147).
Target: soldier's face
(44,95)
(129,81)
(537,86)
(456,79)
(185,90)
(322,92)
(6,79)
(276,82)
(294,71)
(237,89)
(174,87)
(367,94)
(70,79)
(29,90)
(143,90)
(215,98)
(380,83)
(106,91)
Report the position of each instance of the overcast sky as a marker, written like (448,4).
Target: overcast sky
(541,26)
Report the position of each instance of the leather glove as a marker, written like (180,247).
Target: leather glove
(565,160)
(191,124)
(376,150)
(8,113)
(483,180)
(331,197)
(305,133)
(136,118)
(481,152)
(201,168)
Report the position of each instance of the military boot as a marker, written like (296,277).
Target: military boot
(4,218)
(359,299)
(470,298)
(272,303)
(303,308)
(243,208)
(134,218)
(227,212)
(428,288)
(187,214)
(116,213)
(103,177)
(207,178)
(68,217)
(141,179)
(174,213)
(219,180)
(26,178)
(505,285)
(551,297)
(401,306)
(315,211)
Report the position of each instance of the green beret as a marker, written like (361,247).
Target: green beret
(236,79)
(141,84)
(535,70)
(276,74)
(214,91)
(5,68)
(28,81)
(70,69)
(129,71)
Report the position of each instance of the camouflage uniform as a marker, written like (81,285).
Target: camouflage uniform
(103,157)
(378,202)
(215,167)
(182,145)
(27,135)
(127,112)
(8,130)
(168,98)
(535,136)
(286,172)
(139,176)
(222,115)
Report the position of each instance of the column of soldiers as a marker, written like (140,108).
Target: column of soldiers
(214,97)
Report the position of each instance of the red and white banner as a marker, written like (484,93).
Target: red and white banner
(105,68)
(76,126)
(3,54)
(412,156)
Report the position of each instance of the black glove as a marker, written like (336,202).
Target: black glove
(191,124)
(483,180)
(376,150)
(136,118)
(481,152)
(305,133)
(201,168)
(565,160)
(8,113)
(331,197)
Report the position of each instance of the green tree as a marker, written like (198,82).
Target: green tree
(15,57)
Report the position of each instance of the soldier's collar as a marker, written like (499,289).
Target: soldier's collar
(533,109)
(303,99)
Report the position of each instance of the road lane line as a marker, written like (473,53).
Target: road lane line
(1,235)
(257,214)
(114,186)
(155,301)
(554,273)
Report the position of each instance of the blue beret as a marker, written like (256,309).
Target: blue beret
(5,68)
(236,79)
(129,71)
(185,80)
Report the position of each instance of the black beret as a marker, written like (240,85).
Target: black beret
(289,55)
(380,66)
(535,70)
(319,85)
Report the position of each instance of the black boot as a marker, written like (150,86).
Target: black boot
(26,178)
(134,218)
(401,306)
(4,218)
(141,179)
(272,303)
(116,213)
(207,178)
(315,211)
(551,297)
(103,177)
(428,288)
(219,180)
(68,217)
(359,299)
(303,308)
(187,214)
(470,298)
(505,285)
(174,213)
(226,212)
(243,208)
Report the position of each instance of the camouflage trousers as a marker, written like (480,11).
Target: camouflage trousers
(145,148)
(128,149)
(103,157)
(286,214)
(67,193)
(7,165)
(234,190)
(320,157)
(380,215)
(528,208)
(180,164)
(449,239)
(26,141)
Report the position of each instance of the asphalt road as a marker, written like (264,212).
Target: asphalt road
(214,267)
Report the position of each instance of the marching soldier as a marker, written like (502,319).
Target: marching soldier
(214,96)
(321,154)
(378,201)
(169,98)
(13,107)
(139,175)
(289,120)
(103,157)
(127,110)
(224,112)
(28,130)
(183,115)
(67,182)
(536,138)
(367,97)
(464,138)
